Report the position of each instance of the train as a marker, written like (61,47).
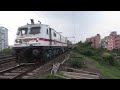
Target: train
(37,42)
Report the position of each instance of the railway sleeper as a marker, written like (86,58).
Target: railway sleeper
(11,74)
(14,71)
(6,77)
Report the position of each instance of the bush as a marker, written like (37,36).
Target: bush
(108,57)
(98,58)
(88,52)
(76,63)
(117,57)
(6,51)
(77,49)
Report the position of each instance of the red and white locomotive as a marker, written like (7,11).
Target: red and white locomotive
(38,42)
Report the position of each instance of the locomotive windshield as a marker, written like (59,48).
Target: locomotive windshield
(35,30)
(22,31)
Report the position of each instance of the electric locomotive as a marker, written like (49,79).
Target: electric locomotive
(38,43)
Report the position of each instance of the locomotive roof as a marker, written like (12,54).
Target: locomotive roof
(34,25)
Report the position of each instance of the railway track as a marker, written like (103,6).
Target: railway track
(5,56)
(7,60)
(19,71)
(16,72)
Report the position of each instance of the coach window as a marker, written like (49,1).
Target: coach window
(35,30)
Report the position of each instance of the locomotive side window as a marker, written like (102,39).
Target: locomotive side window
(23,31)
(60,37)
(47,31)
(54,34)
(35,30)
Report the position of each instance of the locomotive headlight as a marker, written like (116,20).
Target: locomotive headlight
(16,40)
(37,39)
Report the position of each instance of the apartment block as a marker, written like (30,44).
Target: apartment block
(3,38)
(113,41)
(95,41)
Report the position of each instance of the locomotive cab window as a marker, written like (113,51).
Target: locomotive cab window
(22,31)
(18,33)
(35,30)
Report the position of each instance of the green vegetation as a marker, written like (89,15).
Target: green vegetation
(108,57)
(6,51)
(104,60)
(53,77)
(76,63)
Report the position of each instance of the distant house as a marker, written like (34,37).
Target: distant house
(113,41)
(96,41)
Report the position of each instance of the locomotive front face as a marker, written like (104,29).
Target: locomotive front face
(27,36)
(27,42)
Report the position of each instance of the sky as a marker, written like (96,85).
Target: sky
(81,24)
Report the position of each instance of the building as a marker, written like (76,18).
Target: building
(110,42)
(96,41)
(104,42)
(113,41)
(3,38)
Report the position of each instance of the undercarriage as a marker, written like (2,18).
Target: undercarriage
(37,54)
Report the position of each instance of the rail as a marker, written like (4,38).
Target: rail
(7,60)
(16,72)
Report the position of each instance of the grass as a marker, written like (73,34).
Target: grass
(108,71)
(52,77)
(76,61)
